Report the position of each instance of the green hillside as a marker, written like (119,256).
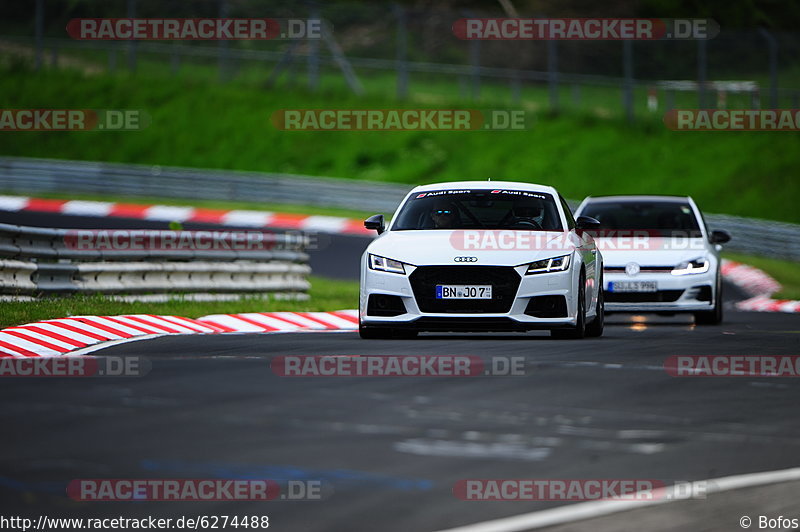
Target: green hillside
(202,124)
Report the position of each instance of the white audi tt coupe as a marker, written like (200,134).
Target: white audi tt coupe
(659,255)
(481,256)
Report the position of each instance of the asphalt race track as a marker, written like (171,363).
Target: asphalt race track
(389,450)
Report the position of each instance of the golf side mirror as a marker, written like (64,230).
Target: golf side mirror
(586,223)
(719,237)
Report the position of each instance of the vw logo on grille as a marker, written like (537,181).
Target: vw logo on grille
(632,269)
(466,259)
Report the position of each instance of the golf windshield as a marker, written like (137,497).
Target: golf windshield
(665,218)
(479,209)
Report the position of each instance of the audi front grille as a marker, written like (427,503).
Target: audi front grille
(504,280)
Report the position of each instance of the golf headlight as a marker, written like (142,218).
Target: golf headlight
(385,265)
(556,264)
(689,267)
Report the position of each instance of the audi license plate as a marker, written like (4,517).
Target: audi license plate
(633,286)
(463,291)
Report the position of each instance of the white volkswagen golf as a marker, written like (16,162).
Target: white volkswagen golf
(659,255)
(481,256)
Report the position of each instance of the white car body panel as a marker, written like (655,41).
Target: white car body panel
(618,254)
(418,248)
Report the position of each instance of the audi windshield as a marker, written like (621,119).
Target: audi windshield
(479,209)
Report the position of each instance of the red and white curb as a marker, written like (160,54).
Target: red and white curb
(65,335)
(760,286)
(170,213)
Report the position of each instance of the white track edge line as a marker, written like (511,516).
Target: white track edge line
(589,510)
(112,343)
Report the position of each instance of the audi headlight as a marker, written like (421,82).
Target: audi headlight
(556,264)
(690,267)
(385,265)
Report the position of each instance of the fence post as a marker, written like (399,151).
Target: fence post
(516,89)
(702,73)
(402,51)
(222,44)
(39,33)
(475,59)
(627,68)
(175,59)
(576,95)
(755,98)
(552,74)
(773,67)
(312,60)
(132,44)
(341,61)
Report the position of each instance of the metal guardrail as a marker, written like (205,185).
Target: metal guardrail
(759,237)
(31,176)
(40,261)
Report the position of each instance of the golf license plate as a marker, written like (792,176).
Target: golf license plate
(463,291)
(633,286)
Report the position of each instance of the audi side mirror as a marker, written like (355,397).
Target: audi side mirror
(375,222)
(719,237)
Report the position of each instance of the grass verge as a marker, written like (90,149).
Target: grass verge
(785,272)
(326,295)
